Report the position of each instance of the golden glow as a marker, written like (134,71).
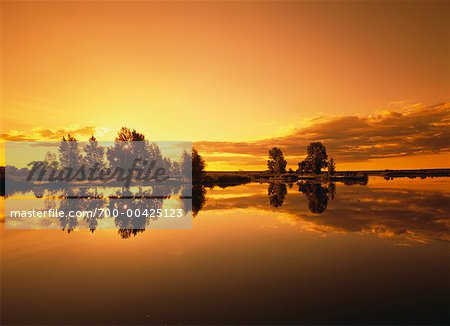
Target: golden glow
(217,71)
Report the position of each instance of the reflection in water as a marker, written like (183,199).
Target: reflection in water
(138,206)
(408,216)
(277,192)
(239,241)
(198,199)
(67,222)
(90,204)
(132,224)
(76,200)
(332,190)
(316,194)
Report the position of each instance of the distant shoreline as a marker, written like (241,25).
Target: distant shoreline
(370,172)
(239,177)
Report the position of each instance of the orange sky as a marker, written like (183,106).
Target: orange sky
(228,71)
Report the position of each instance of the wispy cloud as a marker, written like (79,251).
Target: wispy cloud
(406,131)
(412,130)
(49,134)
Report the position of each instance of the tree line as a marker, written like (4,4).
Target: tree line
(316,160)
(128,146)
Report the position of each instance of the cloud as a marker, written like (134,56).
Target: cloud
(411,130)
(48,134)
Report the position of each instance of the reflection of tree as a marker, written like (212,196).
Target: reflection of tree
(50,200)
(332,190)
(409,216)
(140,205)
(198,199)
(277,192)
(317,196)
(90,204)
(76,200)
(68,204)
(38,192)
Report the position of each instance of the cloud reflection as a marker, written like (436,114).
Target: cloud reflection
(404,215)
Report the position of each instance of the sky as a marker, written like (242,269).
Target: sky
(370,80)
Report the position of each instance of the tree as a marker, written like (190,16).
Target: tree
(317,157)
(176,168)
(69,153)
(186,164)
(276,162)
(154,153)
(128,146)
(167,165)
(192,165)
(93,154)
(331,167)
(126,134)
(198,165)
(50,160)
(304,167)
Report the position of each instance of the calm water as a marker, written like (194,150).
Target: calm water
(378,253)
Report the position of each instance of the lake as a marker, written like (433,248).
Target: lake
(256,254)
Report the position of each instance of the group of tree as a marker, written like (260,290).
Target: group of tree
(316,194)
(315,161)
(128,146)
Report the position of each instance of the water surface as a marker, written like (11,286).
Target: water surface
(257,253)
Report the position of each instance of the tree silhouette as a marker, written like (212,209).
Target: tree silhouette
(192,166)
(331,167)
(186,165)
(128,146)
(93,154)
(167,164)
(69,153)
(154,153)
(276,162)
(304,167)
(176,168)
(317,157)
(126,134)
(198,166)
